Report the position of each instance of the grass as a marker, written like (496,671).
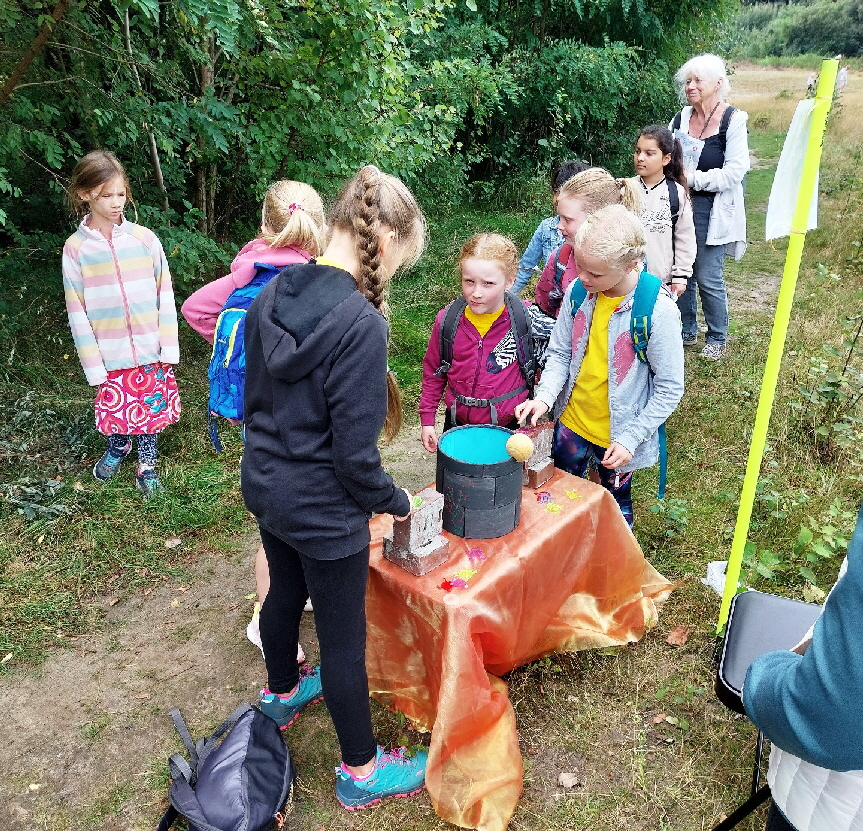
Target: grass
(639,727)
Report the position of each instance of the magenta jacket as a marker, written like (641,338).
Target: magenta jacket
(202,309)
(481,368)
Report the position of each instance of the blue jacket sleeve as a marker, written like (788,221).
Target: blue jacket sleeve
(811,705)
(530,259)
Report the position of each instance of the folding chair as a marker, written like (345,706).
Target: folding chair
(757,623)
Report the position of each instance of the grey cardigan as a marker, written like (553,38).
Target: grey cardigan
(640,396)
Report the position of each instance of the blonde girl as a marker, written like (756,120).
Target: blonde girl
(292,231)
(609,404)
(318,394)
(484,365)
(578,197)
(123,319)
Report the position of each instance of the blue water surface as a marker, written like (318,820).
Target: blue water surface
(481,444)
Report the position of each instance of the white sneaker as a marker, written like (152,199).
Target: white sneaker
(712,351)
(253,633)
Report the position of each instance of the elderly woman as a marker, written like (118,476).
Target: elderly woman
(716,157)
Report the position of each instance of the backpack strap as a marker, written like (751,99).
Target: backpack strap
(723,125)
(643,301)
(185,736)
(675,124)
(561,260)
(674,204)
(447,334)
(519,324)
(646,293)
(577,296)
(213,742)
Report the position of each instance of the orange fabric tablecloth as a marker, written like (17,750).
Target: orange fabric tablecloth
(564,580)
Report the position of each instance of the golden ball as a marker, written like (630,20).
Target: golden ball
(519,446)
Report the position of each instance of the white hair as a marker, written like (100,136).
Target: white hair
(707,67)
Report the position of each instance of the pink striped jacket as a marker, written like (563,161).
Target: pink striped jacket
(120,299)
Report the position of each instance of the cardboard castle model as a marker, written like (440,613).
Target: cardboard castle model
(416,543)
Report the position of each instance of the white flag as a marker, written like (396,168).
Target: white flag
(786,182)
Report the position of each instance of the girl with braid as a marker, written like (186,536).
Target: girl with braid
(318,394)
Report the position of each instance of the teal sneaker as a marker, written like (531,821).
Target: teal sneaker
(395,774)
(148,483)
(108,465)
(285,711)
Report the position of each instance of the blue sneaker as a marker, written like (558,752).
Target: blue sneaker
(285,711)
(395,774)
(108,465)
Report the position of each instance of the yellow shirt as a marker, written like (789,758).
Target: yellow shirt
(587,411)
(482,322)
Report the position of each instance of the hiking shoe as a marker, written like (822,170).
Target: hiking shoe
(712,351)
(284,711)
(148,483)
(253,633)
(108,465)
(689,340)
(395,774)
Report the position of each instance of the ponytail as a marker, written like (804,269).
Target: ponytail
(371,203)
(597,188)
(293,214)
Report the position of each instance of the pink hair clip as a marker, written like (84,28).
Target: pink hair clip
(295,206)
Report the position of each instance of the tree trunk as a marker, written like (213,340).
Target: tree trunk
(202,190)
(35,48)
(154,150)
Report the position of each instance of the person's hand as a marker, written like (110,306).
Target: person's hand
(428,437)
(616,456)
(531,411)
(410,497)
(677,289)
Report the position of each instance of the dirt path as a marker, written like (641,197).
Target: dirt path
(87,733)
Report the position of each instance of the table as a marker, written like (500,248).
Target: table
(570,577)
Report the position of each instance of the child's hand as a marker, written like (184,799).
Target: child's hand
(414,504)
(428,437)
(616,456)
(532,410)
(677,289)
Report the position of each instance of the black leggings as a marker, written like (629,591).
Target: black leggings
(338,592)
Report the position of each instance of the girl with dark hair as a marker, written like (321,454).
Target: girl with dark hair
(666,209)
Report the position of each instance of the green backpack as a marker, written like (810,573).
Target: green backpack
(640,319)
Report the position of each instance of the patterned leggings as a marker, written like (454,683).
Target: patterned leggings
(121,445)
(577,455)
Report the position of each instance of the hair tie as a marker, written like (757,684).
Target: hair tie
(295,206)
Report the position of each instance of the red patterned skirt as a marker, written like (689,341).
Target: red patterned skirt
(143,399)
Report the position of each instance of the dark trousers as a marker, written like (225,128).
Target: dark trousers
(576,455)
(777,822)
(338,592)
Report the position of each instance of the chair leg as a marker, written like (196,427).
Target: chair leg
(745,809)
(757,795)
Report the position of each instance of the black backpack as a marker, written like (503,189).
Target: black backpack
(519,324)
(240,784)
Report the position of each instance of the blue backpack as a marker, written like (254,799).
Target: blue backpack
(640,319)
(227,370)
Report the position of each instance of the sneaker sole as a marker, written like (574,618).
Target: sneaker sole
(380,799)
(297,714)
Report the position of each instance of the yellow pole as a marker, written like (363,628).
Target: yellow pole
(811,162)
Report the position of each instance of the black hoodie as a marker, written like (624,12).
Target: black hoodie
(315,403)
